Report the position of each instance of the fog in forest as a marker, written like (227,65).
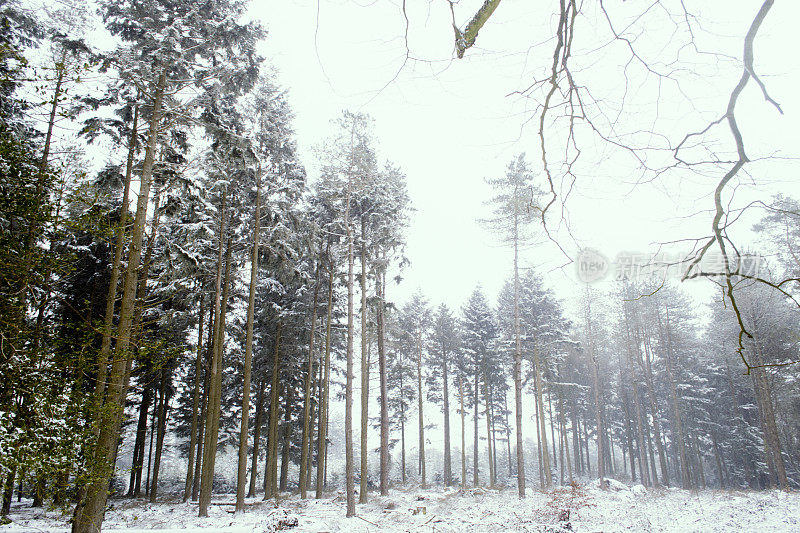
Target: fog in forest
(408,266)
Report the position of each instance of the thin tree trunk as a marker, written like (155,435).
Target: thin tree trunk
(402,434)
(306,437)
(677,418)
(150,447)
(463,433)
(649,440)
(163,410)
(772,440)
(198,369)
(700,468)
(262,385)
(380,290)
(90,511)
(586,446)
(648,373)
(548,481)
(134,488)
(119,246)
(421,414)
(362,494)
(494,435)
(576,446)
(488,432)
(316,380)
(552,427)
(198,462)
(538,438)
(518,369)
(475,432)
(641,442)
(241,478)
(561,450)
(206,476)
(613,454)
(598,408)
(287,436)
(213,411)
(448,465)
(210,350)
(508,436)
(271,469)
(348,394)
(322,446)
(564,436)
(718,461)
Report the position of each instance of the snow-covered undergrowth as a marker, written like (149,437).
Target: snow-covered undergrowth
(577,509)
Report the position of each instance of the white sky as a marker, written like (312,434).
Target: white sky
(449,123)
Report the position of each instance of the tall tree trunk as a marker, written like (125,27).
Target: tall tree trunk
(215,395)
(586,445)
(8,491)
(508,436)
(518,368)
(241,478)
(611,456)
(119,246)
(763,393)
(576,444)
(598,408)
(548,481)
(307,395)
(163,410)
(488,431)
(198,370)
(403,476)
(463,433)
(564,435)
(134,488)
(362,494)
(552,427)
(315,384)
(677,417)
(287,438)
(420,411)
(214,369)
(647,370)
(475,431)
(90,511)
(380,289)
(538,439)
(150,446)
(204,405)
(262,385)
(322,442)
(640,438)
(561,450)
(270,481)
(348,392)
(448,465)
(601,471)
(649,440)
(718,460)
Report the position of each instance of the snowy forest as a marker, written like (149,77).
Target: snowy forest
(197,314)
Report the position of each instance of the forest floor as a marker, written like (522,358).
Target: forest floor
(582,508)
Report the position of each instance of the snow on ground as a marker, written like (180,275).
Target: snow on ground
(577,509)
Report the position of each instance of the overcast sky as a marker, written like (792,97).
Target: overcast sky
(450,123)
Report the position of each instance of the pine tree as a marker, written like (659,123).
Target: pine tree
(479,334)
(515,208)
(444,346)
